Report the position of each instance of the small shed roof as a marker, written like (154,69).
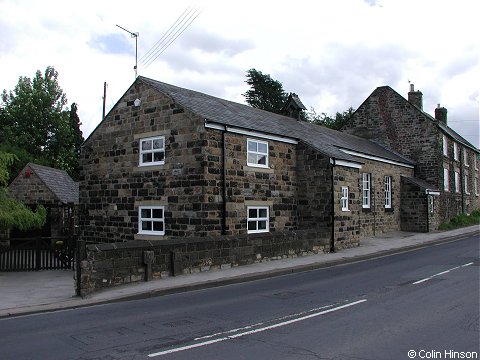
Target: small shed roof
(58,181)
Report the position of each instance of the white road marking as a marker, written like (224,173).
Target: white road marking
(261,329)
(441,273)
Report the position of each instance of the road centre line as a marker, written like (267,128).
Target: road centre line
(254,331)
(441,273)
(264,323)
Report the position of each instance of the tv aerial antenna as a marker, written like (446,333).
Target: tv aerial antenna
(133,35)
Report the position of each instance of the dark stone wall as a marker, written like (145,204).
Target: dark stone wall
(113,264)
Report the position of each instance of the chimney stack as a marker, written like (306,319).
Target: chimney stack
(415,97)
(441,114)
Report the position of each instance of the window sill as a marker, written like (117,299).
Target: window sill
(149,167)
(345,210)
(148,237)
(367,209)
(389,210)
(266,170)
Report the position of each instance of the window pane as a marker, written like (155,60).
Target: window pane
(262,225)
(252,158)
(262,148)
(262,160)
(262,213)
(252,225)
(252,146)
(157,213)
(146,225)
(158,156)
(146,158)
(252,213)
(158,144)
(146,145)
(158,226)
(146,214)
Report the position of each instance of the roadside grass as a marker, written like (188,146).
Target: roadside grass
(461,221)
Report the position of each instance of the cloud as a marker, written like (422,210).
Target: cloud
(115,44)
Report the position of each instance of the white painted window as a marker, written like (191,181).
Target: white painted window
(152,151)
(465,158)
(345,198)
(446,182)
(430,204)
(257,153)
(457,182)
(388,192)
(455,151)
(257,219)
(475,184)
(475,161)
(366,186)
(445,145)
(467,190)
(151,220)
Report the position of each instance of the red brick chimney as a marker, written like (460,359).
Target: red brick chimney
(441,114)
(415,97)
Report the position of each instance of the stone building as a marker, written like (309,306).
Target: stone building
(170,163)
(446,163)
(52,188)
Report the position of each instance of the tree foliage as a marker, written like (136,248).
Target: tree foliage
(335,123)
(37,125)
(268,94)
(265,93)
(14,214)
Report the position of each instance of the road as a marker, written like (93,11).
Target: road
(424,301)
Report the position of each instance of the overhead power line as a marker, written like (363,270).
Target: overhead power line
(178,27)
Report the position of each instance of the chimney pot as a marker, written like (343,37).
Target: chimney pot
(415,97)
(441,114)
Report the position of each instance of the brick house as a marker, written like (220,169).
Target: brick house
(169,163)
(444,159)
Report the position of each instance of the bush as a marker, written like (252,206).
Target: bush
(462,220)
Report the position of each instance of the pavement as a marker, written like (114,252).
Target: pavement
(23,293)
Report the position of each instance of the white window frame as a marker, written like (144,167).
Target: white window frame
(445,145)
(257,219)
(366,190)
(475,185)
(466,189)
(475,161)
(457,182)
(431,204)
(256,153)
(465,158)
(455,151)
(344,198)
(446,180)
(151,151)
(388,192)
(151,219)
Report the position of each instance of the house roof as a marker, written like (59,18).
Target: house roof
(58,181)
(327,141)
(420,183)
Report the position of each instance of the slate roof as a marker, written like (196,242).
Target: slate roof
(58,181)
(420,183)
(327,141)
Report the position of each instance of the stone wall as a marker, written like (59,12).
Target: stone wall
(377,219)
(31,190)
(113,264)
(414,208)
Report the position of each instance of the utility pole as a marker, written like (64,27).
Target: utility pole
(104,99)
(133,35)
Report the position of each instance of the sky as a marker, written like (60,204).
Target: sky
(332,53)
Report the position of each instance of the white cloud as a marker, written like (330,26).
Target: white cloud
(332,53)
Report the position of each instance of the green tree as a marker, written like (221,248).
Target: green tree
(335,123)
(37,125)
(14,214)
(265,93)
